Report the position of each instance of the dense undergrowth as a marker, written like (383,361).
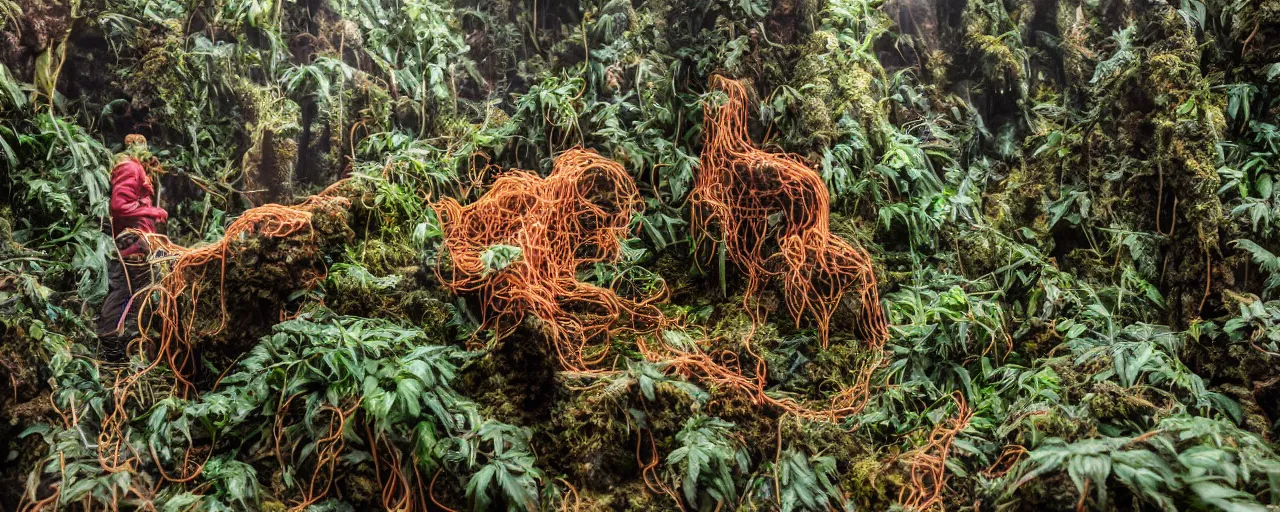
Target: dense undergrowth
(1068,207)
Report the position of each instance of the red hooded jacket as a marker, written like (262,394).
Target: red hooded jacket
(131,196)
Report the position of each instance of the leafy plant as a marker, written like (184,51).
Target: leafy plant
(706,462)
(807,482)
(1185,460)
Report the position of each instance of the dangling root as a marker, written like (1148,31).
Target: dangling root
(578,216)
(928,469)
(328,450)
(772,213)
(185,281)
(1009,457)
(179,292)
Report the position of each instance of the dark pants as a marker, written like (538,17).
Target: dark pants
(118,319)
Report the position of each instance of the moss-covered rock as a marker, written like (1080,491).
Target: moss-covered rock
(271,122)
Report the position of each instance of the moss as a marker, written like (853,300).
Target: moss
(261,276)
(1128,145)
(1231,361)
(1035,339)
(1109,402)
(514,382)
(386,257)
(1185,155)
(1140,151)
(1255,414)
(999,60)
(593,439)
(1051,492)
(833,83)
(816,116)
(995,51)
(635,497)
(273,506)
(25,402)
(360,486)
(327,129)
(426,309)
(271,122)
(20,360)
(858,92)
(161,87)
(871,484)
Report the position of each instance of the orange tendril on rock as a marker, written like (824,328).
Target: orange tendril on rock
(169,308)
(772,213)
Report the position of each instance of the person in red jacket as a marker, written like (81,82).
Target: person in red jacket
(128,272)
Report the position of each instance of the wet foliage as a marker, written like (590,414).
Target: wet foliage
(1064,212)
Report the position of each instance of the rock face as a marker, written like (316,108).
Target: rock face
(264,274)
(42,27)
(271,126)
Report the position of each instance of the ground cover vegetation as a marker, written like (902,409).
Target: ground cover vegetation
(648,255)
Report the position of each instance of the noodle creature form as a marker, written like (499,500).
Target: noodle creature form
(772,213)
(576,216)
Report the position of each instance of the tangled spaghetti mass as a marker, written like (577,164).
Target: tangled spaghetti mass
(772,212)
(552,227)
